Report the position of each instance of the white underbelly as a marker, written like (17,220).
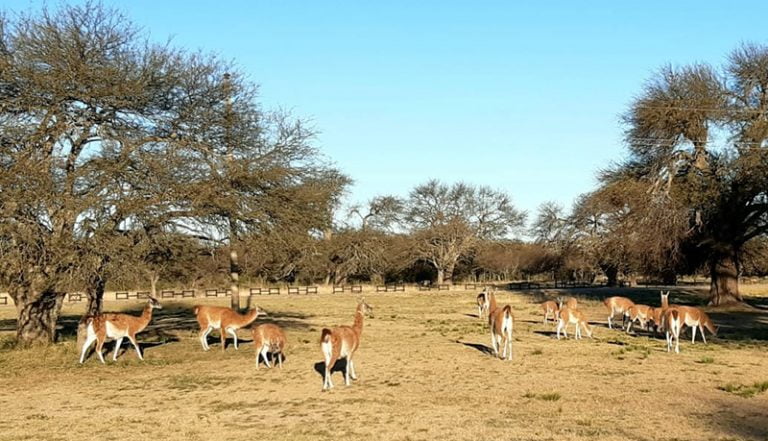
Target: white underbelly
(115,332)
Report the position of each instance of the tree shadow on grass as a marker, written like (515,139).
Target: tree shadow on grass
(171,321)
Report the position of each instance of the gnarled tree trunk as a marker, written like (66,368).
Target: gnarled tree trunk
(94,290)
(724,284)
(38,313)
(669,277)
(612,273)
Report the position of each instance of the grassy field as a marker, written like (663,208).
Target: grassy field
(425,373)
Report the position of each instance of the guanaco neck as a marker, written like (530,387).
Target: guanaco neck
(146,317)
(492,302)
(359,315)
(665,301)
(250,316)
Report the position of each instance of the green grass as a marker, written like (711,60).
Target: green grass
(705,360)
(552,396)
(744,390)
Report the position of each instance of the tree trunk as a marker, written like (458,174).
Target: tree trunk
(724,284)
(234,276)
(153,279)
(613,276)
(37,318)
(669,277)
(440,276)
(448,276)
(95,292)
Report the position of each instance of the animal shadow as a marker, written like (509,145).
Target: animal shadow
(227,342)
(339,366)
(480,347)
(272,359)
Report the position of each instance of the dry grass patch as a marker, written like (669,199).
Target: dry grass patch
(426,372)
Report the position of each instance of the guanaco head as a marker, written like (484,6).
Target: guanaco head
(365,309)
(154,303)
(664,297)
(260,311)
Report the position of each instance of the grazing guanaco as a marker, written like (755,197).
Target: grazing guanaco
(569,302)
(654,316)
(482,303)
(269,338)
(225,320)
(568,316)
(696,318)
(501,322)
(342,342)
(117,326)
(638,313)
(620,305)
(550,307)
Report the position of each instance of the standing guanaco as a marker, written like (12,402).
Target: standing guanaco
(482,303)
(269,338)
(342,342)
(225,320)
(550,307)
(576,317)
(501,322)
(117,326)
(620,305)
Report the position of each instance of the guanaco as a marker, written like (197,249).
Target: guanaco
(640,314)
(620,305)
(696,318)
(501,323)
(569,302)
(117,326)
(550,307)
(576,317)
(673,324)
(342,342)
(660,313)
(269,338)
(482,303)
(223,319)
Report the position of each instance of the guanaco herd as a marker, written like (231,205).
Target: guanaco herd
(336,343)
(342,342)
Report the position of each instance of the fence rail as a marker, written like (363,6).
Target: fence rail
(390,288)
(347,288)
(302,290)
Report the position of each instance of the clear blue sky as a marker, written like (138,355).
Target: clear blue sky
(523,98)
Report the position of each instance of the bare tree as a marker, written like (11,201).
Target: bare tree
(724,188)
(103,134)
(447,221)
